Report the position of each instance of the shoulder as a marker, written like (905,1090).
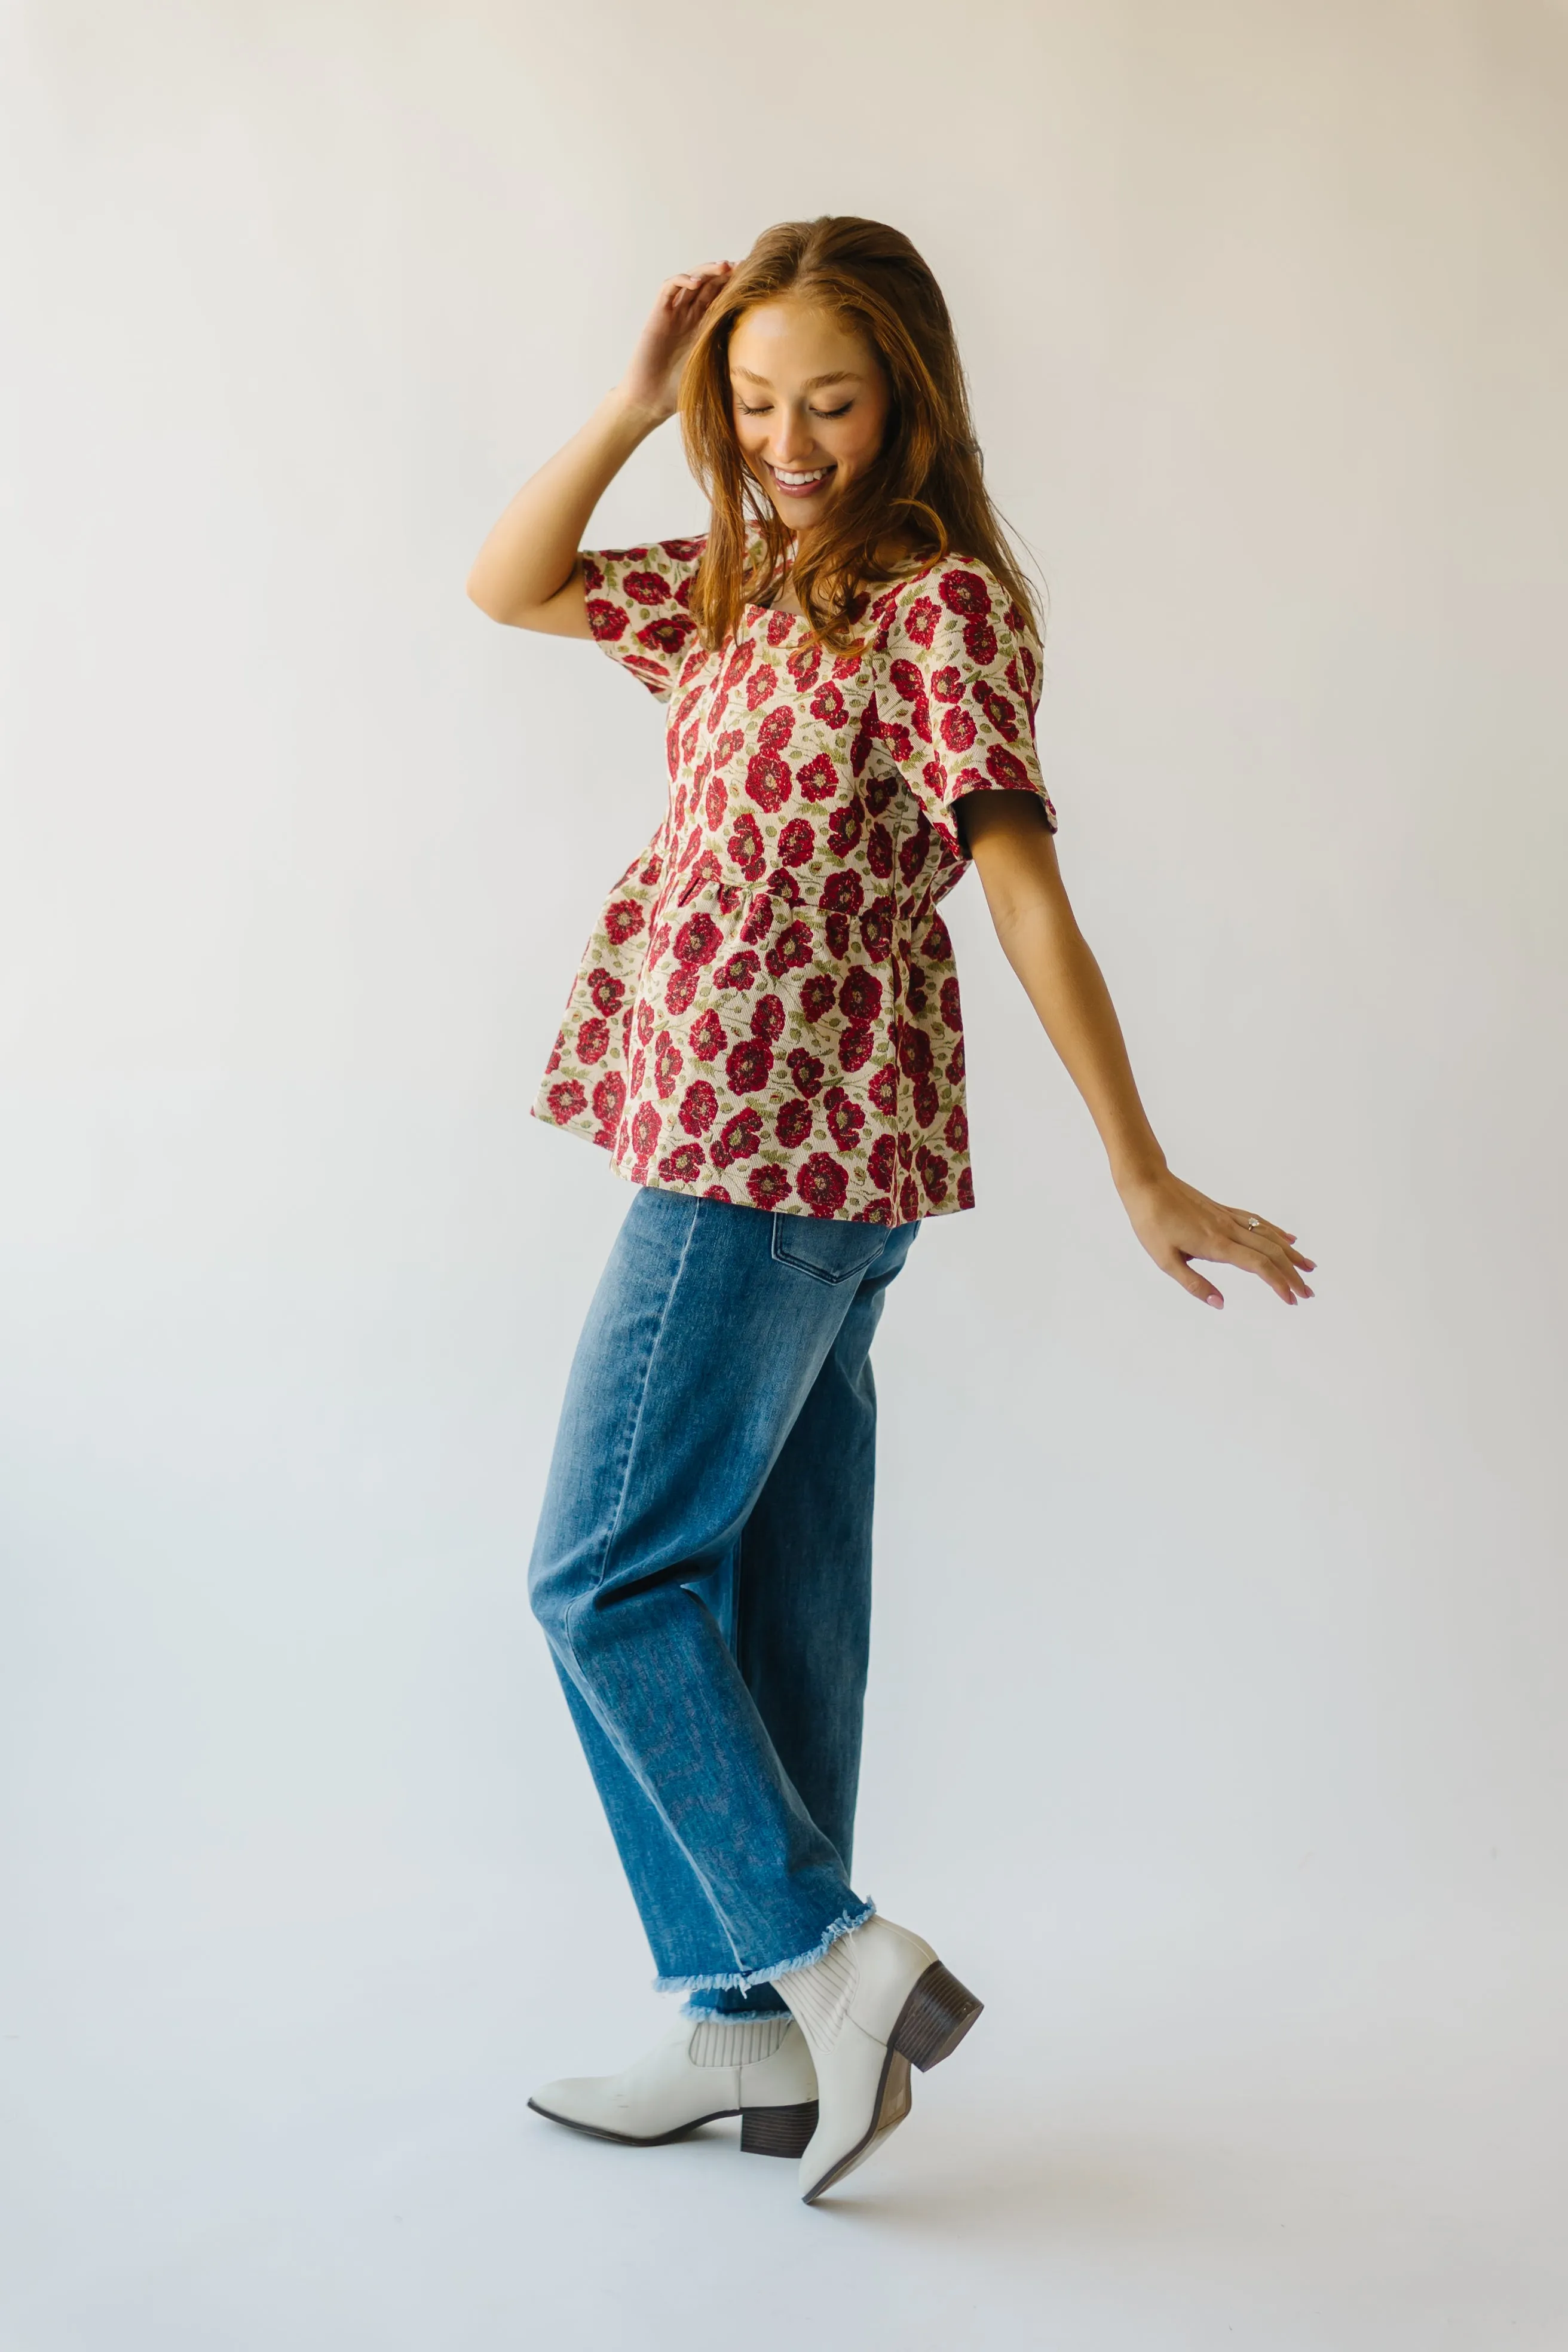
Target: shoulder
(956,610)
(947,595)
(654,573)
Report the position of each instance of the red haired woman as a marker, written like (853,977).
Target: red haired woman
(765,1037)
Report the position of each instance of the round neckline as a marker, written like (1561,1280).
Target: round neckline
(897,587)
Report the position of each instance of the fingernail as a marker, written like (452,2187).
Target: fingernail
(1213,1299)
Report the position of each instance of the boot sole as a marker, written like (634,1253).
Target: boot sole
(928,2028)
(764,2131)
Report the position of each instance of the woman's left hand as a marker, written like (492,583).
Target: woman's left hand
(1176,1223)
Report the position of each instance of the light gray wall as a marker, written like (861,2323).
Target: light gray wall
(1182,1616)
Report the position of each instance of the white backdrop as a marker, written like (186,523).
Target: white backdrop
(1216,1731)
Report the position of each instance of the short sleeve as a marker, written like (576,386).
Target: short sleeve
(963,678)
(638,599)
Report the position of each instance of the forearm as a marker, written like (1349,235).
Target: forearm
(1016,858)
(1066,988)
(531,555)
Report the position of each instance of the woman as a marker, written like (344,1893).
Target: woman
(765,1037)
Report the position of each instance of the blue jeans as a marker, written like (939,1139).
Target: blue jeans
(703,1573)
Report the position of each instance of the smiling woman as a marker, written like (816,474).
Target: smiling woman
(825,376)
(765,1036)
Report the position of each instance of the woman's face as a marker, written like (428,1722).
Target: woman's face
(810,404)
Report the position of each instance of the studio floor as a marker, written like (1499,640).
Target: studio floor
(1330,2141)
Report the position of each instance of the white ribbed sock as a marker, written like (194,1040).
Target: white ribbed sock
(820,1995)
(735,2040)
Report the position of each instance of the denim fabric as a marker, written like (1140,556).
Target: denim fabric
(703,1573)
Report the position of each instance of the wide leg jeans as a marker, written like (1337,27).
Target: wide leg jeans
(703,1573)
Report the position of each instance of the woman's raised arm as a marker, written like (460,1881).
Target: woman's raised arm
(527,574)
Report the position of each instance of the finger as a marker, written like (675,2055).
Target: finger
(1284,1259)
(1182,1270)
(1281,1277)
(1279,1234)
(1248,1252)
(1279,1240)
(1256,1224)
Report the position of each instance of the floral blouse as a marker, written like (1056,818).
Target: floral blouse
(767,1012)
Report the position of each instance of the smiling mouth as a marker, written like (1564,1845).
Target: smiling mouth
(799,483)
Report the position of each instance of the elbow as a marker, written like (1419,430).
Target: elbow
(474,588)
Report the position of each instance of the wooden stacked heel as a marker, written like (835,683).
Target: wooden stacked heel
(777,2131)
(934,2020)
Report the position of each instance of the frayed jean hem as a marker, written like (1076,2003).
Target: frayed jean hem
(745,1978)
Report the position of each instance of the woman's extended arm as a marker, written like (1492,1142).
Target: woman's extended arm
(526,573)
(1016,856)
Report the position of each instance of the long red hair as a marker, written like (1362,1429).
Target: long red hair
(923,498)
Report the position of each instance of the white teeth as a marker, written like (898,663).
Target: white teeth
(798,481)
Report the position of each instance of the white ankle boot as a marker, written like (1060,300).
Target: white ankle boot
(876,2002)
(756,2067)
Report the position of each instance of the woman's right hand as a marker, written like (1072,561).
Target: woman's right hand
(652,381)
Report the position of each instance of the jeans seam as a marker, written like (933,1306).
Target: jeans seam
(586,1600)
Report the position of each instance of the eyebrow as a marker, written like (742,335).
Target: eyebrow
(813,384)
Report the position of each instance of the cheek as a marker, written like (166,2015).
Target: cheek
(748,441)
(862,446)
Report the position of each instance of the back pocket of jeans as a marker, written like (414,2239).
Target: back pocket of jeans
(827,1248)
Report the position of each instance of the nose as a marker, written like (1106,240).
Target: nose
(792,440)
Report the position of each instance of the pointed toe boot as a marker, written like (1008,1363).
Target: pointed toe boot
(876,2003)
(756,2067)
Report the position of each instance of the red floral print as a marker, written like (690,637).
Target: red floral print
(932,1171)
(748,1065)
(822,1184)
(739,1137)
(771,981)
(861,994)
(645,587)
(844,1117)
(791,950)
(698,1106)
(699,939)
(961,590)
(706,1036)
(745,846)
(767,1187)
(739,970)
(681,988)
(806,1070)
(623,921)
(767,781)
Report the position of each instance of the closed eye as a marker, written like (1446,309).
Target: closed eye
(827,413)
